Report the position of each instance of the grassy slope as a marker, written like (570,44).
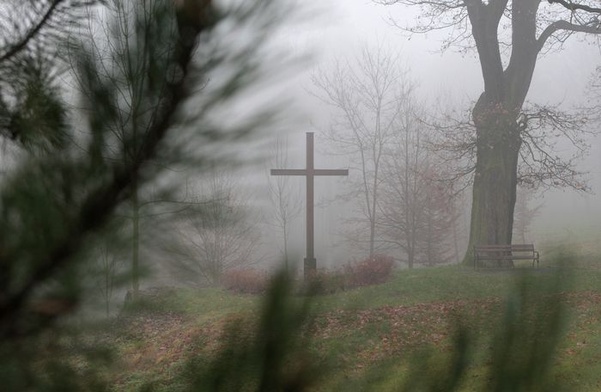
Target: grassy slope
(370,335)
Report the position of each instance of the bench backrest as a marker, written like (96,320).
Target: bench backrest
(501,248)
(522,247)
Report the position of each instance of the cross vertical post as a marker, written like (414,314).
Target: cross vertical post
(310,263)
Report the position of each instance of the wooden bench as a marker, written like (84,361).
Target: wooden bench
(505,253)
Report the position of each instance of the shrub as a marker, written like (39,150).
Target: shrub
(245,281)
(324,282)
(373,270)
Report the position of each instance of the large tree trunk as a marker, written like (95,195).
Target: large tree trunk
(495,180)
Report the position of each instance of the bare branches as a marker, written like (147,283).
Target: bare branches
(582,16)
(369,95)
(438,15)
(287,205)
(417,205)
(592,27)
(570,5)
(221,233)
(539,165)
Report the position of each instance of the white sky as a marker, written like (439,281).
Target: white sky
(340,27)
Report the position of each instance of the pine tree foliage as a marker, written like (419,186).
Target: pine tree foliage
(71,177)
(32,33)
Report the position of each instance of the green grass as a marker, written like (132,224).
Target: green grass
(210,303)
(451,283)
(370,336)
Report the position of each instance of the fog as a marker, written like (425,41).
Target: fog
(336,31)
(148,244)
(311,40)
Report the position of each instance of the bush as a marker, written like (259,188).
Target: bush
(245,281)
(373,270)
(324,282)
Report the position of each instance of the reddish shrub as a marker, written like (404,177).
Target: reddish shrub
(323,282)
(245,281)
(373,270)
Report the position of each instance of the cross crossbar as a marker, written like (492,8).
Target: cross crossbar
(303,172)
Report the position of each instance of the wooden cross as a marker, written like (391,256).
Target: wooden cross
(310,172)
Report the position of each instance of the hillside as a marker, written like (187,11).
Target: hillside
(370,338)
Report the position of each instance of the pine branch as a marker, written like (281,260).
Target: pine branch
(102,200)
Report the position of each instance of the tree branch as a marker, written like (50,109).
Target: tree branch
(566,26)
(101,201)
(575,6)
(35,30)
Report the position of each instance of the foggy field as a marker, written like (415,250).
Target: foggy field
(370,338)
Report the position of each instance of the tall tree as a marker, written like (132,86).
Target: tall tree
(417,208)
(528,28)
(368,94)
(220,232)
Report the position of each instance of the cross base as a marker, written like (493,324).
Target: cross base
(310,266)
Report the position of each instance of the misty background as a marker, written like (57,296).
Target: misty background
(336,31)
(316,37)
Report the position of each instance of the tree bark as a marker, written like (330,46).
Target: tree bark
(495,180)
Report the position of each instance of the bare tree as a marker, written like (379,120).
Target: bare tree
(368,95)
(286,206)
(220,232)
(417,210)
(437,244)
(502,130)
(106,273)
